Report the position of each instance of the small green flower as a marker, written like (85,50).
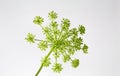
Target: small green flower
(56,55)
(81,29)
(78,43)
(46,62)
(57,67)
(85,48)
(75,63)
(74,31)
(54,24)
(71,51)
(38,20)
(65,24)
(42,45)
(52,15)
(66,58)
(30,38)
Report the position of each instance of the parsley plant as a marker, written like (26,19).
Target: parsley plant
(62,41)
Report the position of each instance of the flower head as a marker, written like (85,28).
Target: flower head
(63,41)
(52,15)
(42,45)
(75,63)
(38,20)
(57,67)
(81,29)
(30,38)
(85,48)
(46,62)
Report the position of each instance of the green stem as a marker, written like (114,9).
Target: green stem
(42,27)
(37,40)
(56,57)
(39,70)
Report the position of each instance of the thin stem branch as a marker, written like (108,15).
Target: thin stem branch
(39,70)
(37,40)
(47,32)
(56,55)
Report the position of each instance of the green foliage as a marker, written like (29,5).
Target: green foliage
(63,41)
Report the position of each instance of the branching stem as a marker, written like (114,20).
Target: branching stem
(42,63)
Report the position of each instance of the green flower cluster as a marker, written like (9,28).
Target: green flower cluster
(57,67)
(38,20)
(46,62)
(43,45)
(30,38)
(62,40)
(75,63)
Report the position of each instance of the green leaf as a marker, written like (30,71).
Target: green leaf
(81,29)
(75,63)
(57,67)
(30,38)
(38,20)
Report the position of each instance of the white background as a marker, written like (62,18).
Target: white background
(100,17)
